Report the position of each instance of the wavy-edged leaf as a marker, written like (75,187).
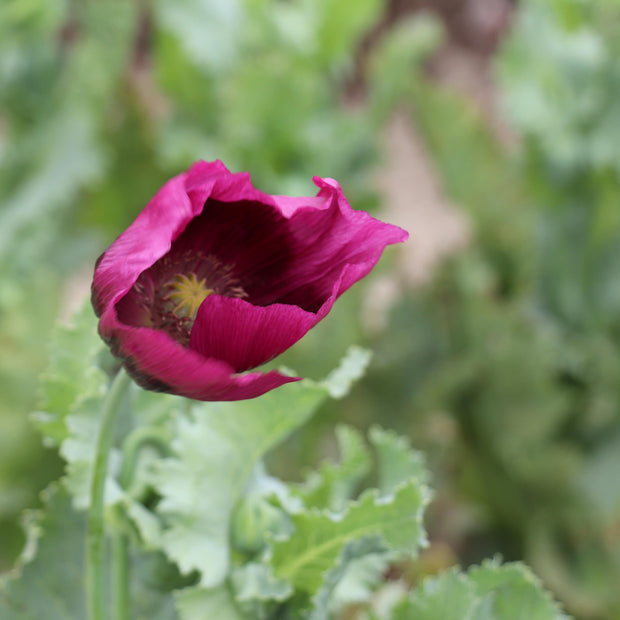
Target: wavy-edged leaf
(335,483)
(487,592)
(216,448)
(397,461)
(48,581)
(71,377)
(320,537)
(357,570)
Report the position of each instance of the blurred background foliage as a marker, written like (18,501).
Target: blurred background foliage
(502,365)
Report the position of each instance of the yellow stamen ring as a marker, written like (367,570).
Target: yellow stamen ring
(187,293)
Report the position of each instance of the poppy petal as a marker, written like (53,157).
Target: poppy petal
(278,264)
(159,363)
(244,335)
(151,234)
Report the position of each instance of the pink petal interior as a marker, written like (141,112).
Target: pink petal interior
(245,335)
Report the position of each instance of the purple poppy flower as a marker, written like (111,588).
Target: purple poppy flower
(214,278)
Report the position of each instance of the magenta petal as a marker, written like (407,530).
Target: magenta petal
(244,335)
(151,234)
(250,385)
(326,236)
(159,363)
(276,263)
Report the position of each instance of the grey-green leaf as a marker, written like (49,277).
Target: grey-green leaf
(487,592)
(321,536)
(216,448)
(71,377)
(397,462)
(335,483)
(48,581)
(199,603)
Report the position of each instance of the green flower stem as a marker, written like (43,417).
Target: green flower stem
(95,542)
(120,575)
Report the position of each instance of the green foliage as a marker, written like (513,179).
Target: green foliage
(72,376)
(342,24)
(487,592)
(24,466)
(396,461)
(56,539)
(562,92)
(46,581)
(197,603)
(402,50)
(209,531)
(319,539)
(197,495)
(204,28)
(507,374)
(563,95)
(335,483)
(73,387)
(326,558)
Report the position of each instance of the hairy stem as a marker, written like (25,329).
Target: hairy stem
(95,542)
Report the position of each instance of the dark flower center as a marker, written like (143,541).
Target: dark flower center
(167,296)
